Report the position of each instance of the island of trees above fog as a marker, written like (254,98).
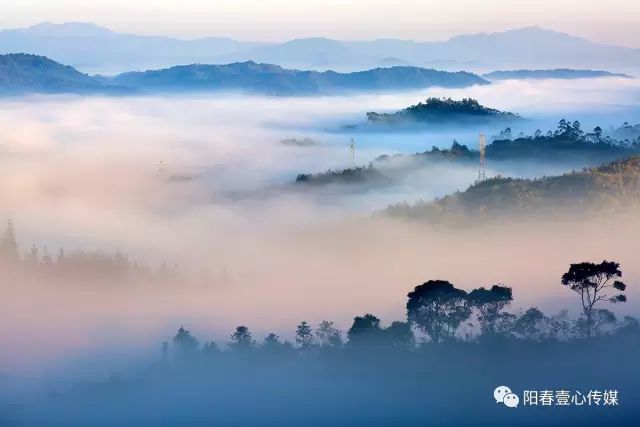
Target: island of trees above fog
(436,111)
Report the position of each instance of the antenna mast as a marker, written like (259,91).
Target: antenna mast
(352,153)
(482,174)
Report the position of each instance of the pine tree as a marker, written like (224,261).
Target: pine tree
(304,335)
(9,244)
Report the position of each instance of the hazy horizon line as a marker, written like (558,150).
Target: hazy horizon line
(290,39)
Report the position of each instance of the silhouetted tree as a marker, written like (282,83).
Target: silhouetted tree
(506,133)
(531,325)
(211,349)
(629,325)
(304,335)
(561,325)
(184,342)
(603,320)
(590,280)
(270,340)
(9,244)
(437,308)
(241,339)
(33,257)
(365,329)
(328,336)
(273,345)
(400,335)
(489,304)
(597,132)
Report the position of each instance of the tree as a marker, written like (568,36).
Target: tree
(400,335)
(272,344)
(9,244)
(505,134)
(629,325)
(184,342)
(365,329)
(328,336)
(603,320)
(437,308)
(211,349)
(561,325)
(597,131)
(532,325)
(241,339)
(590,281)
(563,127)
(304,335)
(489,303)
(271,339)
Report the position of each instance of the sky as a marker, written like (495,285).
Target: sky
(613,21)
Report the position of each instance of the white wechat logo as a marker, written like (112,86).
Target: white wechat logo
(503,394)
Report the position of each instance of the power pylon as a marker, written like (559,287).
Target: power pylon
(482,173)
(352,153)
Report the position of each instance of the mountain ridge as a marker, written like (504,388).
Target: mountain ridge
(111,52)
(557,73)
(26,73)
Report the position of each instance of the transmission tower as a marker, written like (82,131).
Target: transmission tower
(482,174)
(352,153)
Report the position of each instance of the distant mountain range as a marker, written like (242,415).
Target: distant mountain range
(21,73)
(274,80)
(98,50)
(559,73)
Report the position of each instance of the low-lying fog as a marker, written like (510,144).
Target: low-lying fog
(145,175)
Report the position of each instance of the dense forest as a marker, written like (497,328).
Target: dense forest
(614,187)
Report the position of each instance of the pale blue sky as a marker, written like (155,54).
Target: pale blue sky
(615,21)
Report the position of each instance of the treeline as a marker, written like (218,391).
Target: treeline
(66,264)
(568,131)
(438,313)
(355,175)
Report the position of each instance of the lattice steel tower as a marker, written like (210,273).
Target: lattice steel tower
(482,174)
(352,153)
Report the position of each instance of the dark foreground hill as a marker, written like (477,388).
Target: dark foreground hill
(610,187)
